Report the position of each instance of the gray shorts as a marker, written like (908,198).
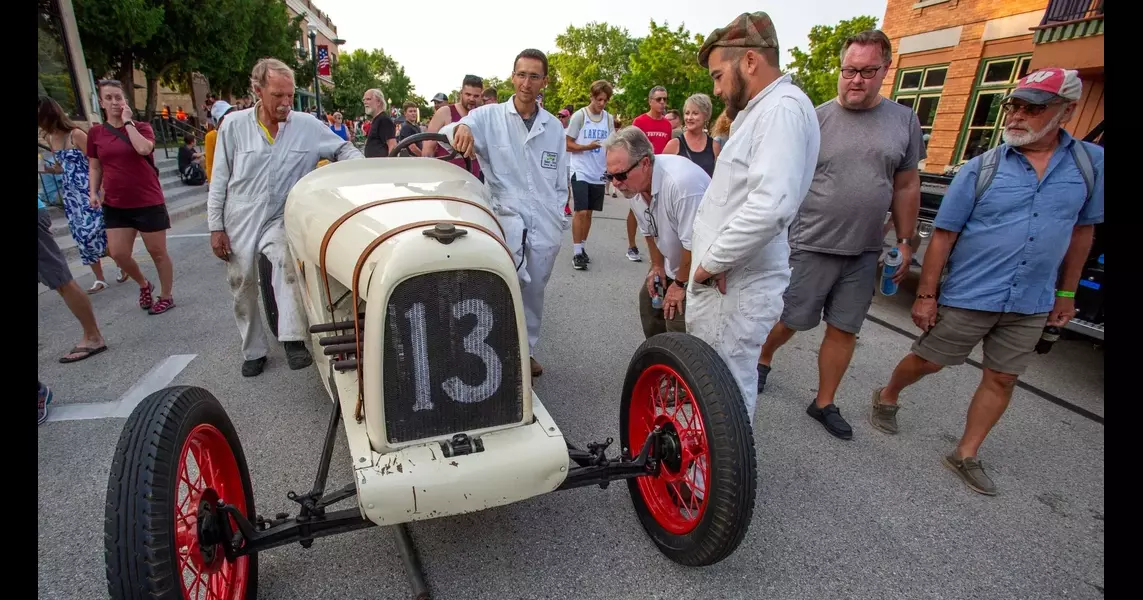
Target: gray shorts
(1009,338)
(52,265)
(840,286)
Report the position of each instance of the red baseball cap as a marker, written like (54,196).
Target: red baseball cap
(1049,85)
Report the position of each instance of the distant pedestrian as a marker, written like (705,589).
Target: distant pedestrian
(694,143)
(1015,229)
(68,143)
(382,136)
(411,126)
(720,131)
(119,152)
(339,126)
(439,100)
(469,99)
(676,121)
(491,96)
(218,111)
(586,130)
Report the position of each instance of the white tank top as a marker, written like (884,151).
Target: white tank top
(591,165)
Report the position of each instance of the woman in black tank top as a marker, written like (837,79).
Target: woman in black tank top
(696,114)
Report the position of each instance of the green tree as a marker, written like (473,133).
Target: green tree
(361,70)
(585,55)
(816,70)
(114,33)
(504,88)
(666,57)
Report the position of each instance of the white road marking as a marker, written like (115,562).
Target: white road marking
(156,379)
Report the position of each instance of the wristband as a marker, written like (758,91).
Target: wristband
(925,296)
(1065,294)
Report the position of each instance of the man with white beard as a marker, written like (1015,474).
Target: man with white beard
(1016,214)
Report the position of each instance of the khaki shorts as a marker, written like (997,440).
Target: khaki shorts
(1009,338)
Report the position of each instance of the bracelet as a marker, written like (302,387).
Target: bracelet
(1065,294)
(925,296)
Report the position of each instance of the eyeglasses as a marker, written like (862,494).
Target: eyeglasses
(1031,110)
(528,76)
(623,175)
(866,73)
(652,228)
(659,99)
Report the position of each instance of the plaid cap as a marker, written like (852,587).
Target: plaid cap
(748,30)
(1048,85)
(440,97)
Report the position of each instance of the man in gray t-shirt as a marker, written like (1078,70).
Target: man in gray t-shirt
(867,165)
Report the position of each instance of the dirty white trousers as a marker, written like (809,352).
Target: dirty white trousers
(534,254)
(242,275)
(736,323)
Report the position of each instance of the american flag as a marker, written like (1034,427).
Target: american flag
(323,61)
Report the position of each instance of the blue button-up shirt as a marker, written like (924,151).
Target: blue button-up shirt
(1013,240)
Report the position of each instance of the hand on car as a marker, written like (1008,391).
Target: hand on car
(220,245)
(1062,312)
(673,303)
(905,251)
(925,313)
(462,141)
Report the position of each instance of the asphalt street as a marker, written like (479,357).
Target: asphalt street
(877,517)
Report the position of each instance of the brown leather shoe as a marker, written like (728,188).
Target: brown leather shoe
(537,370)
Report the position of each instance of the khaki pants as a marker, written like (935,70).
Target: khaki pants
(652,318)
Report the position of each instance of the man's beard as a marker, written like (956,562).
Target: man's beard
(1025,137)
(737,100)
(629,193)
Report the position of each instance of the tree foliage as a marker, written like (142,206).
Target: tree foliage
(666,57)
(816,69)
(585,55)
(361,70)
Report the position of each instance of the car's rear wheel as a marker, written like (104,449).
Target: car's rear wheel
(699,507)
(177,457)
(266,287)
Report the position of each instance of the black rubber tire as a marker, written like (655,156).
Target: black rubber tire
(139,527)
(733,464)
(266,288)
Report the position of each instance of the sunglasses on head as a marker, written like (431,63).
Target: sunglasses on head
(622,176)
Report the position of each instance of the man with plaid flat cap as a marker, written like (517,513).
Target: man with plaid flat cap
(740,251)
(1017,214)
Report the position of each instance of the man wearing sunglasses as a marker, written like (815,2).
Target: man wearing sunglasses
(741,254)
(1022,216)
(867,166)
(664,192)
(524,153)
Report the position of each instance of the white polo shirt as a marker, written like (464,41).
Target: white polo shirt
(677,188)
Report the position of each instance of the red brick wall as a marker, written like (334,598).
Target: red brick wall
(902,20)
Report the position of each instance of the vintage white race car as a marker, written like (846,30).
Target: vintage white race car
(419,337)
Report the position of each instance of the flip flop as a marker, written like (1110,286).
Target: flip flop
(97,287)
(83,353)
(121,277)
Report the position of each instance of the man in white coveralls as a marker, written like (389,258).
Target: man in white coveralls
(261,153)
(523,154)
(740,251)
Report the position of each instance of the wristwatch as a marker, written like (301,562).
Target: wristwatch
(903,241)
(126,123)
(682,284)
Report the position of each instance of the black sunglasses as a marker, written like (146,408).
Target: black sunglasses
(623,175)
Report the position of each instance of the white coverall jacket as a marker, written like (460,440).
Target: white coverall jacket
(250,181)
(527,176)
(762,175)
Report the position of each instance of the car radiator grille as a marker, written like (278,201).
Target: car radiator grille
(452,356)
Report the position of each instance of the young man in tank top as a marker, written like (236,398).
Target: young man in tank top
(586,130)
(471,97)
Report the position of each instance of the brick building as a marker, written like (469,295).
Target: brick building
(954,60)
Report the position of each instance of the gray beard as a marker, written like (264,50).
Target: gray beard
(1031,137)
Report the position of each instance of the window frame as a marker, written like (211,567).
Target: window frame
(980,88)
(920,91)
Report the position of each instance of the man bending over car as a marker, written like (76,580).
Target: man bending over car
(247,199)
(523,152)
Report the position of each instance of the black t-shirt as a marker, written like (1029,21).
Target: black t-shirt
(380,132)
(408,129)
(186,157)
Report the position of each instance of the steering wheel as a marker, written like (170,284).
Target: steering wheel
(430,137)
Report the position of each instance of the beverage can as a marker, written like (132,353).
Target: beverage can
(893,260)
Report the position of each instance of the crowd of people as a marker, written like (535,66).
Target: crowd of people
(758,224)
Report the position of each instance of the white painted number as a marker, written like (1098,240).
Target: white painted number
(474,344)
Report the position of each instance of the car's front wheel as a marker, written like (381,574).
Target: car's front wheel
(698,508)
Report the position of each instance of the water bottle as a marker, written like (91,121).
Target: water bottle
(1047,338)
(657,299)
(892,261)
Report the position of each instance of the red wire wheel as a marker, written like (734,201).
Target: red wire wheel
(177,457)
(698,507)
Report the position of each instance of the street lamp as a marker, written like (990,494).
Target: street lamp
(313,52)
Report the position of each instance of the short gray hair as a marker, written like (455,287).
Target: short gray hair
(702,103)
(634,141)
(376,93)
(262,69)
(657,88)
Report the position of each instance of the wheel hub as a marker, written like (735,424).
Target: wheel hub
(670,448)
(210,555)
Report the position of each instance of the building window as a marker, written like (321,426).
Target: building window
(983,121)
(920,90)
(56,76)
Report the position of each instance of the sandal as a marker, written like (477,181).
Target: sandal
(145,300)
(121,277)
(97,287)
(162,305)
(82,352)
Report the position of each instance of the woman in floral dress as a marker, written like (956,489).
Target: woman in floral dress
(68,143)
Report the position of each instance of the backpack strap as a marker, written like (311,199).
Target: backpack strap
(1083,160)
(989,162)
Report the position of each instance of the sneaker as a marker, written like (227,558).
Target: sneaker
(579,262)
(883,416)
(45,400)
(252,368)
(763,371)
(633,255)
(586,258)
(830,418)
(297,356)
(161,306)
(145,300)
(972,472)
